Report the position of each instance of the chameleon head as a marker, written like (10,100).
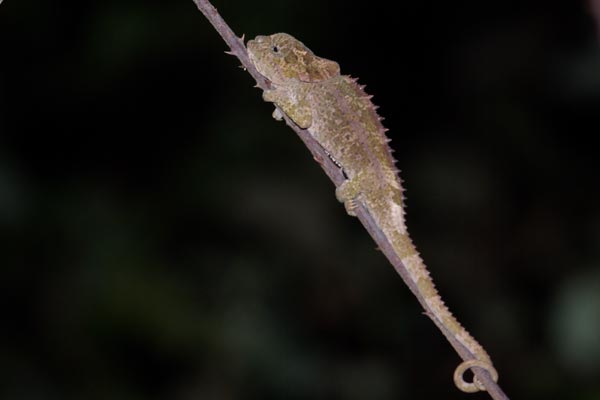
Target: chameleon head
(281,58)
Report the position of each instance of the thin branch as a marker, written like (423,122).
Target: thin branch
(236,44)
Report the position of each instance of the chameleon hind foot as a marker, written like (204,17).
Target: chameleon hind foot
(351,206)
(476,385)
(347,193)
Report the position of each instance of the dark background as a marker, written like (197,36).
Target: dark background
(162,237)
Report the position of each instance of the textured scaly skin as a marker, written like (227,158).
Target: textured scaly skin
(340,116)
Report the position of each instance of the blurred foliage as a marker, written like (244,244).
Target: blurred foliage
(162,237)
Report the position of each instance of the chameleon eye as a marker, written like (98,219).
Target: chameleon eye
(275,49)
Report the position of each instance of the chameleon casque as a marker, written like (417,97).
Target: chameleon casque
(343,120)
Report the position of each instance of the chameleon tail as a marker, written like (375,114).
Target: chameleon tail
(476,385)
(438,310)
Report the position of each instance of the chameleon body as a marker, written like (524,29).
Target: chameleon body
(341,117)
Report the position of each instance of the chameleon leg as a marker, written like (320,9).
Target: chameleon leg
(347,193)
(297,109)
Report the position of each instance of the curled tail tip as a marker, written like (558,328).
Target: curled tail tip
(476,385)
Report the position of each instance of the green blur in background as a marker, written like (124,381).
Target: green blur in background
(162,237)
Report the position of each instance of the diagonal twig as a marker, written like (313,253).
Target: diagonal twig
(238,49)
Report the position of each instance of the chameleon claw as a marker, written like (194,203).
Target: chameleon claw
(277,114)
(348,193)
(351,207)
(476,385)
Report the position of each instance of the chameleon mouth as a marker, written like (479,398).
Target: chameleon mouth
(255,44)
(252,46)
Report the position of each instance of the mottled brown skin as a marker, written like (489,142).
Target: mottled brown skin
(340,116)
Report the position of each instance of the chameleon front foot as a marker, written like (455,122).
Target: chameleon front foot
(299,111)
(277,115)
(476,385)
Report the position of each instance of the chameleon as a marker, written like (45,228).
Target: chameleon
(341,117)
